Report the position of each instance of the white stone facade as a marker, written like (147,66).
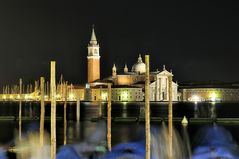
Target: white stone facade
(159,88)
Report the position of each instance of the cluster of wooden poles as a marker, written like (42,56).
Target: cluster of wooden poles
(53,111)
(25,89)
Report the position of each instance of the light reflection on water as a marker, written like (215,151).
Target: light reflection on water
(121,132)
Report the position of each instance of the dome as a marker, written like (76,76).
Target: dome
(139,67)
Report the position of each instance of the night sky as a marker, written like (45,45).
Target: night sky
(199,40)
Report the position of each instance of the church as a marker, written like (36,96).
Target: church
(126,86)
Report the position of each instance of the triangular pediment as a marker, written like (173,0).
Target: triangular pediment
(165,72)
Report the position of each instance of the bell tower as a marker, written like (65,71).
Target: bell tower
(93,58)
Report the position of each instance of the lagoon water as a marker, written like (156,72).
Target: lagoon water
(121,132)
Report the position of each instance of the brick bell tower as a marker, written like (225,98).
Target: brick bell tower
(93,58)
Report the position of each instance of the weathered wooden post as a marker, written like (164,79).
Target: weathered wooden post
(109,118)
(77,108)
(147,108)
(48,90)
(100,103)
(65,109)
(53,109)
(61,91)
(42,116)
(170,117)
(20,110)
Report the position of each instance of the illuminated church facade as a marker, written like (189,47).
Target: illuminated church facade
(136,78)
(126,86)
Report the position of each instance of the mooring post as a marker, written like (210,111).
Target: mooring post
(186,138)
(109,117)
(53,109)
(170,117)
(65,117)
(20,110)
(147,108)
(100,103)
(42,116)
(77,108)
(48,90)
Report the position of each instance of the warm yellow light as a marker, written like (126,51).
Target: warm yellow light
(11,97)
(18,96)
(58,96)
(124,104)
(196,98)
(71,96)
(213,97)
(104,96)
(26,96)
(124,95)
(4,97)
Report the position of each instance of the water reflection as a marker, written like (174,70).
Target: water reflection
(186,141)
(215,142)
(126,132)
(86,138)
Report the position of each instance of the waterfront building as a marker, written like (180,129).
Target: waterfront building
(127,93)
(100,92)
(223,92)
(136,78)
(126,86)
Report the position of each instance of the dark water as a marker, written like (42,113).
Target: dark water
(121,132)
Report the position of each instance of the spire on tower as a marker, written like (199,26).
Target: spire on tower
(93,39)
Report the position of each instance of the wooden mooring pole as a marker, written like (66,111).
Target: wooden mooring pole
(53,109)
(77,108)
(20,110)
(42,116)
(170,117)
(100,103)
(109,117)
(147,108)
(65,117)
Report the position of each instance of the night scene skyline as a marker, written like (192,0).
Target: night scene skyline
(198,40)
(141,79)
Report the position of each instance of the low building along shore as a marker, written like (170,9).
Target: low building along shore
(215,92)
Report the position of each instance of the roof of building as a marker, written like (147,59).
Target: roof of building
(78,86)
(139,67)
(93,39)
(192,85)
(125,86)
